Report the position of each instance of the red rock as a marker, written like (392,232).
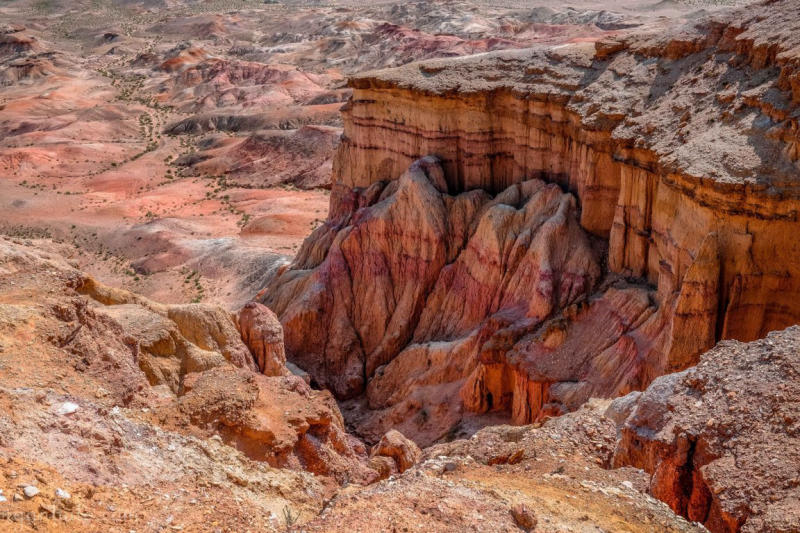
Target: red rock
(300,157)
(280,420)
(403,452)
(721,439)
(701,231)
(404,283)
(380,266)
(523,516)
(590,349)
(625,155)
(17,42)
(263,334)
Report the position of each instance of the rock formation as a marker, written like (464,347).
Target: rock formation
(394,454)
(278,420)
(505,478)
(200,354)
(171,341)
(615,129)
(300,157)
(580,212)
(181,370)
(717,442)
(405,285)
(263,335)
(678,152)
(721,439)
(16,41)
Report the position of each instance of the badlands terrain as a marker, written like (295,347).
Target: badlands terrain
(177,143)
(432,266)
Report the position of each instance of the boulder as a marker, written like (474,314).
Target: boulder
(403,452)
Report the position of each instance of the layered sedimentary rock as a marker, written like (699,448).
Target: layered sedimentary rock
(681,153)
(718,443)
(15,41)
(666,142)
(721,439)
(605,346)
(301,157)
(424,301)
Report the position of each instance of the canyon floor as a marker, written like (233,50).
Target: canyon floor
(426,266)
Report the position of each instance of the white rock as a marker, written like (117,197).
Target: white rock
(67,408)
(2,498)
(62,494)
(30,491)
(627,485)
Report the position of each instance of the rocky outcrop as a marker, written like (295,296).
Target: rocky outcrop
(199,81)
(18,42)
(629,133)
(680,230)
(431,303)
(263,335)
(718,443)
(278,420)
(394,454)
(405,285)
(604,346)
(198,352)
(171,341)
(390,247)
(721,439)
(301,157)
(186,366)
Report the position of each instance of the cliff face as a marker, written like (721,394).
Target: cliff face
(430,303)
(720,439)
(653,175)
(680,154)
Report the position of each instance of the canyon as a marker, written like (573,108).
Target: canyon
(644,264)
(435,266)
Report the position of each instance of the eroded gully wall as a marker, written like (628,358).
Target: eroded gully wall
(747,281)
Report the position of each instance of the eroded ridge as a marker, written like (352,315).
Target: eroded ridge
(431,303)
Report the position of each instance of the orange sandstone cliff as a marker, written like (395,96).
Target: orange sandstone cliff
(520,231)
